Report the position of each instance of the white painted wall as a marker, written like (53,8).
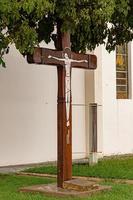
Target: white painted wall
(28,109)
(78,119)
(117,114)
(110,135)
(98,98)
(90,98)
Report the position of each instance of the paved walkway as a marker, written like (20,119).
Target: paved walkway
(12,169)
(18,168)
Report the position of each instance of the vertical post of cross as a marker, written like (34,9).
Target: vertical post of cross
(64,146)
(65,60)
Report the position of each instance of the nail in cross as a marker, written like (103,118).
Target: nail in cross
(65,60)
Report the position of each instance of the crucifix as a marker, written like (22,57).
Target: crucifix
(65,60)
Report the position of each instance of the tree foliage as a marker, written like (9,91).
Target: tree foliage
(28,22)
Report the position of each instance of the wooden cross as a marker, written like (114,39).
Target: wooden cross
(65,60)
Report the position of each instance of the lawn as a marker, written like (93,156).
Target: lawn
(119,167)
(116,167)
(10,184)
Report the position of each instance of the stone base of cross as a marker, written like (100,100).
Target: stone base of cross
(65,60)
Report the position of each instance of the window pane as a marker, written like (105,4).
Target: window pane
(121,81)
(121,88)
(122,95)
(121,75)
(121,62)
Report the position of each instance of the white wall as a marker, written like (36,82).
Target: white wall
(98,90)
(117,114)
(78,119)
(125,114)
(90,98)
(28,109)
(110,134)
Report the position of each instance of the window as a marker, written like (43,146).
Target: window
(122,72)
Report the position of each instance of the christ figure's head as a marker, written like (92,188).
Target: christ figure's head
(66,56)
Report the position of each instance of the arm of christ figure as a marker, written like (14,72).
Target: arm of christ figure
(56,58)
(80,61)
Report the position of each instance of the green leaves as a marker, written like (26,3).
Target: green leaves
(45,28)
(25,38)
(2,63)
(20,24)
(39,7)
(28,22)
(4,41)
(92,29)
(121,21)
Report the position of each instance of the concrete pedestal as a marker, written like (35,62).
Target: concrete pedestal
(73,188)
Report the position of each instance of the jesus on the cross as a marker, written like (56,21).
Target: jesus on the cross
(67,62)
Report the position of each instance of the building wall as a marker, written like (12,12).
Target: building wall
(89,97)
(98,76)
(28,112)
(78,109)
(117,114)
(93,83)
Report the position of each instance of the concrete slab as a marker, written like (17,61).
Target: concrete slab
(80,185)
(73,188)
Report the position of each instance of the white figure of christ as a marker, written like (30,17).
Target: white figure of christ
(67,62)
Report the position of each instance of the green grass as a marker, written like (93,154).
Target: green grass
(10,184)
(119,168)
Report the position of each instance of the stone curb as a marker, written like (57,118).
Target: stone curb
(36,174)
(55,176)
(121,181)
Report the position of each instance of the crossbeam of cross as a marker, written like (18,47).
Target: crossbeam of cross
(46,56)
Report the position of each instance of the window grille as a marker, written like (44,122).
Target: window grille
(122,71)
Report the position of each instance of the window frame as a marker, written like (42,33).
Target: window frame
(128,76)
